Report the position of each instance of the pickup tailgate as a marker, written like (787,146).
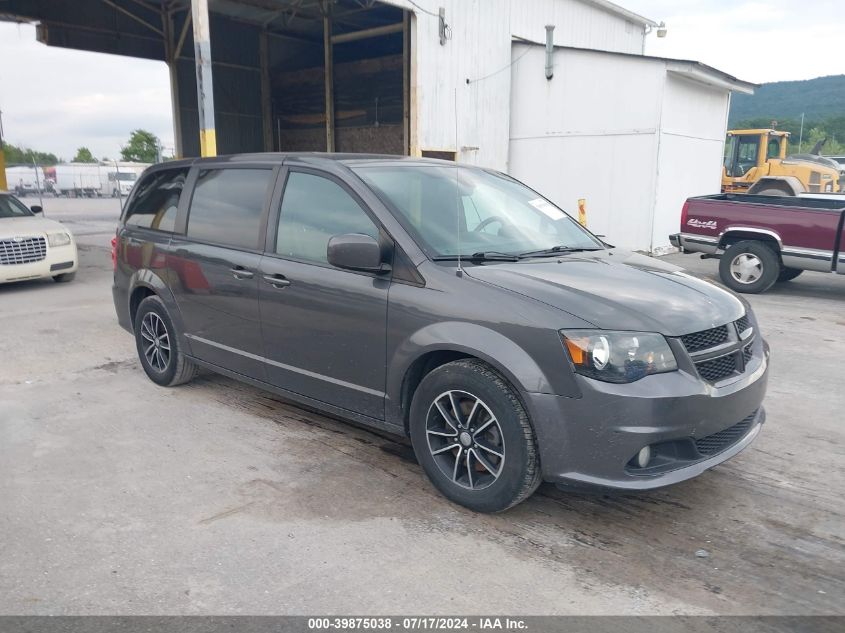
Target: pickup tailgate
(808,231)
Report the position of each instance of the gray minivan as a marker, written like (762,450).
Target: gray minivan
(446,303)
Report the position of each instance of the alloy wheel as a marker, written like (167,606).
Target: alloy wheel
(156,342)
(465,439)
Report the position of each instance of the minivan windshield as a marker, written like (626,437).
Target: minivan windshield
(473,212)
(11,208)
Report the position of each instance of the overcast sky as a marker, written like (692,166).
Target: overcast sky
(56,99)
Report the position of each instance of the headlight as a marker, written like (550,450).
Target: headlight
(58,239)
(618,356)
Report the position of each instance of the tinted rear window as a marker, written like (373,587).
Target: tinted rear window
(157,199)
(227,206)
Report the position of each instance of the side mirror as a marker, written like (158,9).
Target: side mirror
(36,209)
(355,251)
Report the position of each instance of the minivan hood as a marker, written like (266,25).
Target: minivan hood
(618,290)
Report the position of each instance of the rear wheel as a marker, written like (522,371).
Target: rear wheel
(158,345)
(473,437)
(749,266)
(772,192)
(788,274)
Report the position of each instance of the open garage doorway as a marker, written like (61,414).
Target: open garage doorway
(364,105)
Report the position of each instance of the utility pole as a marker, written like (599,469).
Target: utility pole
(4,186)
(205,86)
(801,134)
(37,180)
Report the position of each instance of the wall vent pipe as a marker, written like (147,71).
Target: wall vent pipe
(550,50)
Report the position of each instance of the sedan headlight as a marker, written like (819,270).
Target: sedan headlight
(618,356)
(58,239)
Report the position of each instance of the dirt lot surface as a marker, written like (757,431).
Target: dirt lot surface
(118,496)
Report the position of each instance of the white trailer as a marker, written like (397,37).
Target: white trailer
(118,178)
(78,180)
(24,179)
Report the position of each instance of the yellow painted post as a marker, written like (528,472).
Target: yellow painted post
(4,186)
(582,212)
(205,87)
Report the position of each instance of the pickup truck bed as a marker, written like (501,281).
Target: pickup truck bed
(764,239)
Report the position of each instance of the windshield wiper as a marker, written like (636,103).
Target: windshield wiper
(483,256)
(555,250)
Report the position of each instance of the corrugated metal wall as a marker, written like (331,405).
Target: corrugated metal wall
(480,51)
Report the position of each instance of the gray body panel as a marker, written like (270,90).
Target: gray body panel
(346,342)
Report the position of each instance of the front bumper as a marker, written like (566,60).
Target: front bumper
(691,426)
(58,260)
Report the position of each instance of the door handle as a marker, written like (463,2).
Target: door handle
(277,281)
(239,272)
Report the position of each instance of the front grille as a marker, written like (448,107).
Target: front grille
(706,338)
(718,442)
(24,251)
(735,354)
(717,368)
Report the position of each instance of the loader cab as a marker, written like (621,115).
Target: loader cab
(747,153)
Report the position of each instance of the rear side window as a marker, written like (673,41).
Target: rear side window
(157,199)
(228,205)
(314,209)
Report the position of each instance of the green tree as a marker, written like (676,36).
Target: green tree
(16,155)
(84,155)
(142,147)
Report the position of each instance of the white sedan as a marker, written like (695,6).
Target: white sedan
(33,247)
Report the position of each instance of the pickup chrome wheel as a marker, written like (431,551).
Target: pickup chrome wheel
(472,436)
(746,268)
(749,266)
(158,345)
(465,439)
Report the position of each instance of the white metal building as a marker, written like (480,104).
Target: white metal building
(447,78)
(634,136)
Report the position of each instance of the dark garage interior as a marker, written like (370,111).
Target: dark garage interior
(288,75)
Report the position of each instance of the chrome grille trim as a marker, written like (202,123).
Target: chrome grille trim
(23,250)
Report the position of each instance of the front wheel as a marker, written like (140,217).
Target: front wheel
(158,345)
(64,277)
(749,266)
(473,437)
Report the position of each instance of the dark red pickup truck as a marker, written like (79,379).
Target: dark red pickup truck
(761,240)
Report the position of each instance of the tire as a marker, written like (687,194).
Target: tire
(749,266)
(450,455)
(64,277)
(788,274)
(772,192)
(165,364)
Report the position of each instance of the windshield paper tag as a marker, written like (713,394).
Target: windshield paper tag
(547,208)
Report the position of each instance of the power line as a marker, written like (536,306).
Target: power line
(436,15)
(496,72)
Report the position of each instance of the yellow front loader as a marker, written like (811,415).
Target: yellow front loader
(756,161)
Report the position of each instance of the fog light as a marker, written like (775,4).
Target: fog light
(644,457)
